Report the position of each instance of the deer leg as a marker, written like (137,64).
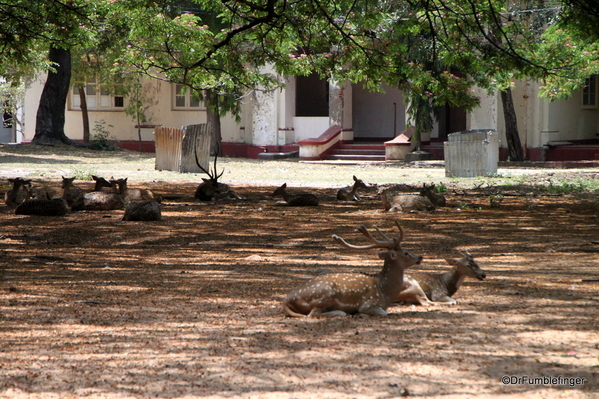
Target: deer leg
(318,312)
(445,301)
(412,293)
(374,311)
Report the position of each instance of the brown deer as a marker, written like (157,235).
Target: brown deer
(339,294)
(301,199)
(143,211)
(211,189)
(133,194)
(437,199)
(405,203)
(15,195)
(351,193)
(42,207)
(430,288)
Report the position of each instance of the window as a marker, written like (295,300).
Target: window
(589,93)
(185,99)
(99,97)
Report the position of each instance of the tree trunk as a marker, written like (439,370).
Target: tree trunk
(213,117)
(84,113)
(515,153)
(50,119)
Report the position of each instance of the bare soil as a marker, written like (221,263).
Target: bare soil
(190,306)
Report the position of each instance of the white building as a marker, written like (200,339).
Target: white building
(276,121)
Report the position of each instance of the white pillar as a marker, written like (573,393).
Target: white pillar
(264,118)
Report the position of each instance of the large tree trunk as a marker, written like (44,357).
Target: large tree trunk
(213,118)
(512,136)
(50,119)
(84,113)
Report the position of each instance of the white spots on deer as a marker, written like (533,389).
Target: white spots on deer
(349,293)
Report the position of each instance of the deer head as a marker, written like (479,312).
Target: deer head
(340,294)
(467,266)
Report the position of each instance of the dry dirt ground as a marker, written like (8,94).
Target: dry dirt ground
(190,306)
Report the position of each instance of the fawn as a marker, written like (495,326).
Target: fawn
(430,288)
(351,193)
(339,294)
(302,199)
(405,203)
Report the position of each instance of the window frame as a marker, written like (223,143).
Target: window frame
(588,97)
(100,94)
(181,92)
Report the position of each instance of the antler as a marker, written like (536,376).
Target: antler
(385,243)
(213,176)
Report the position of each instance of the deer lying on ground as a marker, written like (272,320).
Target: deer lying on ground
(18,192)
(133,194)
(437,199)
(70,192)
(351,193)
(339,294)
(301,199)
(211,189)
(405,203)
(42,207)
(143,211)
(98,200)
(431,288)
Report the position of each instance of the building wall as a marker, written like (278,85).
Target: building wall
(159,110)
(539,121)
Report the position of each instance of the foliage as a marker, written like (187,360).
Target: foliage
(234,48)
(83,173)
(102,139)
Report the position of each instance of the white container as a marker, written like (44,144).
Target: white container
(472,153)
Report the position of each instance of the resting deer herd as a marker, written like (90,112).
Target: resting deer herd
(334,294)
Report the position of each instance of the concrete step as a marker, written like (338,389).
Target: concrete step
(356,157)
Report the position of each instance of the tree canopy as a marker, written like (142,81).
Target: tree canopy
(231,46)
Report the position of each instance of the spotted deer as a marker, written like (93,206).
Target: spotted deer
(339,294)
(431,288)
(300,199)
(351,193)
(18,192)
(437,199)
(41,207)
(142,211)
(405,203)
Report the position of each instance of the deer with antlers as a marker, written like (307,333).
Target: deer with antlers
(211,189)
(339,294)
(429,288)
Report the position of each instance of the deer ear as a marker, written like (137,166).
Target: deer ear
(205,180)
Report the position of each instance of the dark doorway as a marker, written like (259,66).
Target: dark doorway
(312,96)
(451,120)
